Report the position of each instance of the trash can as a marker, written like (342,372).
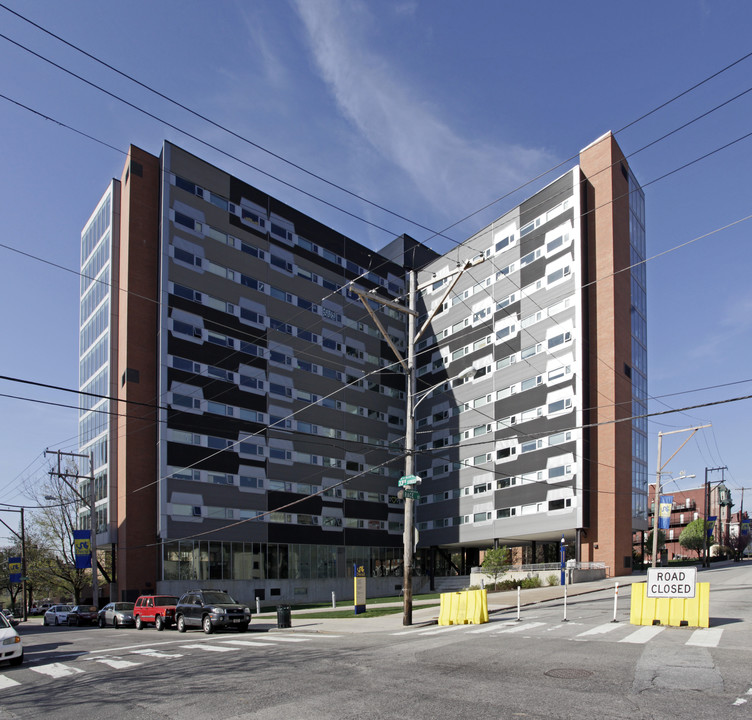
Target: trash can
(284,617)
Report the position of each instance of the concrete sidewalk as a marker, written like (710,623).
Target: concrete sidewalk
(426,612)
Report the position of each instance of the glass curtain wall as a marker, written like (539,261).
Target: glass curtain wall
(94,353)
(639,354)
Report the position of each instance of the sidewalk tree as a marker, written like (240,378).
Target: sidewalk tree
(54,524)
(496,562)
(649,542)
(38,560)
(691,537)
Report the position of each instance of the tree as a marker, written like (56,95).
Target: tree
(38,559)
(54,525)
(739,544)
(6,586)
(691,537)
(649,542)
(496,562)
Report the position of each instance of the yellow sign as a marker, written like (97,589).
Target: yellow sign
(359,590)
(82,545)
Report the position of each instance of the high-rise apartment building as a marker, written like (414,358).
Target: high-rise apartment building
(257,412)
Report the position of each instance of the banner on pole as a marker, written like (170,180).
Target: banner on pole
(710,524)
(745,527)
(664,511)
(14,569)
(82,545)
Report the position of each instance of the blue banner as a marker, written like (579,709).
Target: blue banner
(664,511)
(82,545)
(710,524)
(745,527)
(14,569)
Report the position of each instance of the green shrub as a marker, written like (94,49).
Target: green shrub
(552,579)
(531,582)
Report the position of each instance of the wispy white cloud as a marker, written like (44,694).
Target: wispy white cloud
(453,172)
(734,326)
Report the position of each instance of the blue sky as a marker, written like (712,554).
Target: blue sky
(431,110)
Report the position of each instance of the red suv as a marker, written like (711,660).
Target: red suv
(157,609)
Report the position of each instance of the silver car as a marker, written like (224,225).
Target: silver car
(56,615)
(117,614)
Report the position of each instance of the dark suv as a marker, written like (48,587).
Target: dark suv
(210,609)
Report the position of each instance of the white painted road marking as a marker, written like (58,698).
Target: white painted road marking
(56,670)
(599,629)
(520,628)
(150,652)
(706,637)
(248,643)
(644,634)
(115,663)
(210,648)
(6,682)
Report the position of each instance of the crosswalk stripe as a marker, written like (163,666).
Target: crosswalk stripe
(599,630)
(487,627)
(115,663)
(414,631)
(705,637)
(249,643)
(643,634)
(6,682)
(149,652)
(443,630)
(288,638)
(56,670)
(209,648)
(520,628)
(312,636)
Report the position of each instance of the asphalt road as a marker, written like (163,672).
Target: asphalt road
(540,667)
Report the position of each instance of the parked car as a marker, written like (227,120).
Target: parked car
(83,615)
(11,646)
(210,609)
(117,614)
(56,615)
(156,609)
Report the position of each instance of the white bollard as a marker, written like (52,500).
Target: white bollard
(334,600)
(518,603)
(565,604)
(258,606)
(616,596)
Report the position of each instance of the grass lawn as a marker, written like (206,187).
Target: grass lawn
(349,604)
(371,611)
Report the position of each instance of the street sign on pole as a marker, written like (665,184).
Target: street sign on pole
(413,494)
(408,480)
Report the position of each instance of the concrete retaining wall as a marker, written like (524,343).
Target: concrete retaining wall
(294,592)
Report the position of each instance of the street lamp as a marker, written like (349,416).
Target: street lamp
(450,278)
(659,470)
(724,498)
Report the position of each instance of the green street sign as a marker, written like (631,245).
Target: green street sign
(413,494)
(408,480)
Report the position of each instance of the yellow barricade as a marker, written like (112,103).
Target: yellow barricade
(692,612)
(462,608)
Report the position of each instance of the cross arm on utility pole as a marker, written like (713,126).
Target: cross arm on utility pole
(90,502)
(659,470)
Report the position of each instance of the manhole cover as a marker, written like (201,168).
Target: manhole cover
(569,673)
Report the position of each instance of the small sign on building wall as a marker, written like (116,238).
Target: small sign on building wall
(671,582)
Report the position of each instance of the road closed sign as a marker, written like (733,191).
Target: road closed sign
(671,583)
